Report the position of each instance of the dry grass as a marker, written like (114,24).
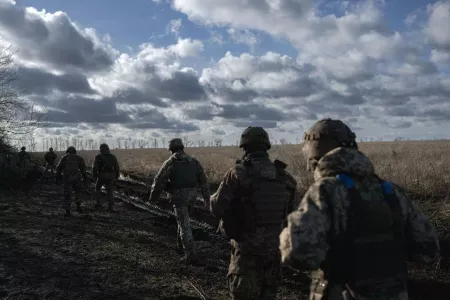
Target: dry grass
(421,167)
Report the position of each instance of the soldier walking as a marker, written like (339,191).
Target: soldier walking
(24,162)
(180,176)
(50,158)
(252,203)
(72,170)
(105,170)
(354,230)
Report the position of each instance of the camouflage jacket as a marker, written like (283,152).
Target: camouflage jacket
(50,157)
(162,179)
(75,175)
(305,242)
(260,242)
(23,155)
(97,165)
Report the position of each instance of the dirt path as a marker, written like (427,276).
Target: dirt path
(99,255)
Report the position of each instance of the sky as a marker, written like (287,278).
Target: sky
(145,69)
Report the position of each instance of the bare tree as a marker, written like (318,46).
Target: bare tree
(119,143)
(218,142)
(201,143)
(125,143)
(133,144)
(155,143)
(283,141)
(163,141)
(18,117)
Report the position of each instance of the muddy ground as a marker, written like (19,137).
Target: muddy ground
(126,255)
(99,255)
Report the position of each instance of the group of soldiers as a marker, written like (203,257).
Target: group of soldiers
(71,171)
(354,231)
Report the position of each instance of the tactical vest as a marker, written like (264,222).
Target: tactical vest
(184,173)
(263,199)
(71,165)
(373,246)
(106,163)
(267,194)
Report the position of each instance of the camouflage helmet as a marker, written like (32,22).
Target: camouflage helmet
(71,149)
(326,135)
(23,148)
(175,144)
(104,147)
(255,136)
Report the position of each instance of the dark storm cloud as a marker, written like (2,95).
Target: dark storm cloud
(135,96)
(54,40)
(37,81)
(182,86)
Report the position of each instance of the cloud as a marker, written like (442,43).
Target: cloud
(437,28)
(243,37)
(37,81)
(175,26)
(187,47)
(343,61)
(52,40)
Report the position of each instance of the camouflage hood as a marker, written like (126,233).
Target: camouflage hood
(344,160)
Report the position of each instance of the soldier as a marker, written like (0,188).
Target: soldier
(180,176)
(24,162)
(50,158)
(252,203)
(352,229)
(105,170)
(73,168)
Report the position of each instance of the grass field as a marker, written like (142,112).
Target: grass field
(421,167)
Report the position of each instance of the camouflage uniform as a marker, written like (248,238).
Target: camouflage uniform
(50,158)
(180,176)
(320,231)
(73,168)
(24,162)
(105,170)
(254,195)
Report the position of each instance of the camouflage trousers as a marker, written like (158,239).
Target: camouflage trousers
(253,276)
(109,185)
(24,168)
(183,208)
(70,187)
(50,166)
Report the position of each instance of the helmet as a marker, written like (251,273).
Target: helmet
(104,147)
(71,149)
(23,148)
(255,136)
(51,149)
(326,135)
(175,144)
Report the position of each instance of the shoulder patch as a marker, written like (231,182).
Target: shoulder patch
(387,187)
(346,180)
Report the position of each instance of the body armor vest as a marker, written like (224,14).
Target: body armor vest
(266,197)
(71,168)
(184,173)
(373,246)
(106,163)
